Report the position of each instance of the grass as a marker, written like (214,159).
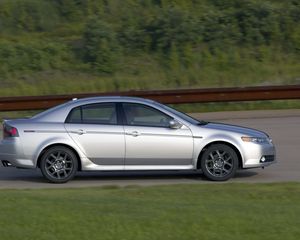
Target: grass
(206,211)
(148,74)
(207,44)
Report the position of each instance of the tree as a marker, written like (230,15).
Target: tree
(100,47)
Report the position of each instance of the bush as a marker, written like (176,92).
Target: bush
(100,46)
(33,56)
(29,15)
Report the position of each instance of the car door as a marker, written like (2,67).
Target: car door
(96,130)
(150,140)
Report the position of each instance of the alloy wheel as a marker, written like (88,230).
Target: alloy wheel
(219,163)
(59,165)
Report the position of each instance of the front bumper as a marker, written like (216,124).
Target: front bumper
(258,155)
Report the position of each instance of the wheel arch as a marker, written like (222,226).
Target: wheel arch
(59,145)
(240,162)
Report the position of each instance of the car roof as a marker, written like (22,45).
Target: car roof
(111,98)
(80,101)
(60,112)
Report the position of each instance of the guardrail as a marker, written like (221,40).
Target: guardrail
(163,96)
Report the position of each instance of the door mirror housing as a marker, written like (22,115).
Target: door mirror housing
(174,124)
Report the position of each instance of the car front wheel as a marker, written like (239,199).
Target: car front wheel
(59,164)
(219,162)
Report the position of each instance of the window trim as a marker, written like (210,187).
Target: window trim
(124,120)
(119,122)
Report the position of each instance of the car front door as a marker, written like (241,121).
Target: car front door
(96,130)
(151,142)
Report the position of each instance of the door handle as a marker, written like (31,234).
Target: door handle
(80,132)
(134,133)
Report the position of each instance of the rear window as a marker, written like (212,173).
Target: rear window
(74,116)
(101,113)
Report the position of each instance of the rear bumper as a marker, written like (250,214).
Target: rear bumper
(11,152)
(13,161)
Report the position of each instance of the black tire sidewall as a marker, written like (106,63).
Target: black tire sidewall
(62,149)
(226,148)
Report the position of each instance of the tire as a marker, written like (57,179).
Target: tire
(59,164)
(219,162)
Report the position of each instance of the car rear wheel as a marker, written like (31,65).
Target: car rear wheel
(219,162)
(59,164)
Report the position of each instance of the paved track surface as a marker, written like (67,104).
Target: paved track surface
(282,125)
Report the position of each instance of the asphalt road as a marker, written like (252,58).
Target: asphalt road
(282,125)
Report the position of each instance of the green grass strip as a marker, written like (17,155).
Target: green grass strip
(205,211)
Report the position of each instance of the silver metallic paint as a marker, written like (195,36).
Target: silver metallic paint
(121,147)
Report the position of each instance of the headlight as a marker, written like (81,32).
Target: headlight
(259,140)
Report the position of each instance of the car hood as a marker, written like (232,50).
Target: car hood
(237,129)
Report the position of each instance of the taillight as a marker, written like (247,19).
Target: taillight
(9,131)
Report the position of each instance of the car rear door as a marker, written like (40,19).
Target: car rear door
(95,128)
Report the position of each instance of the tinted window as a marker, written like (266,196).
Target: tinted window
(142,115)
(102,113)
(74,116)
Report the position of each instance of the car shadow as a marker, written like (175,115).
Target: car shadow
(152,175)
(136,175)
(34,175)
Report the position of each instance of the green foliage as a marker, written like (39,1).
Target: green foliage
(70,9)
(296,38)
(29,15)
(129,44)
(100,46)
(32,56)
(172,25)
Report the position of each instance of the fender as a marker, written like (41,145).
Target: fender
(200,144)
(56,141)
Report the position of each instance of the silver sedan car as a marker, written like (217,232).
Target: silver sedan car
(125,133)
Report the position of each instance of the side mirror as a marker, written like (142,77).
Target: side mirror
(175,124)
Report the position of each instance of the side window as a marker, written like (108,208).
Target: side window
(103,113)
(142,115)
(74,116)
(100,113)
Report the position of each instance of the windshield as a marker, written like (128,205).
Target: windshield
(183,115)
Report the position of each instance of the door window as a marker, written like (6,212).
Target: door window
(100,113)
(142,115)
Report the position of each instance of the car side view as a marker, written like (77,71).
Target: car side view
(125,133)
